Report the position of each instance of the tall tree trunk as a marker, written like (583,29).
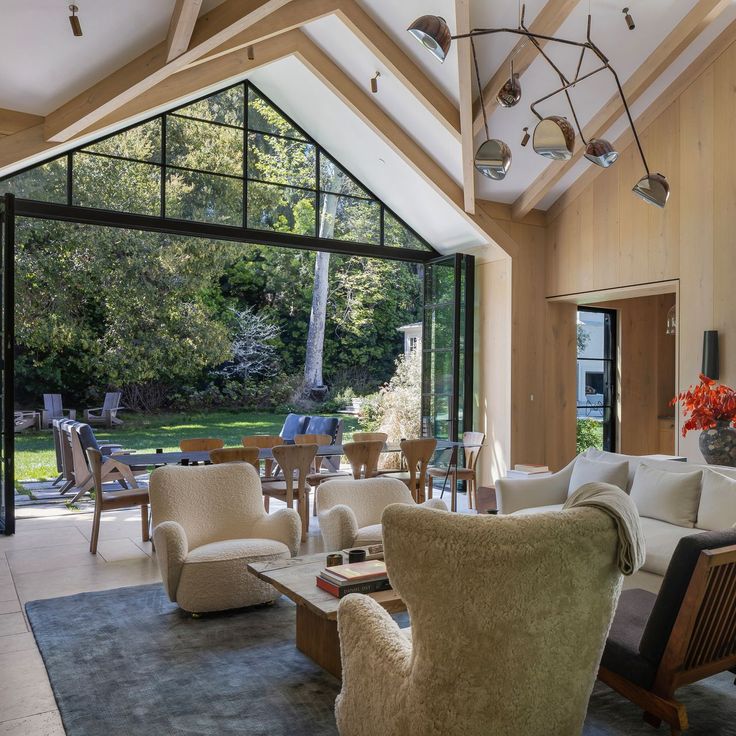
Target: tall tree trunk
(313,380)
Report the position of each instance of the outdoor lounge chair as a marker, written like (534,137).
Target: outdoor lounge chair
(82,438)
(24,420)
(107,414)
(294,424)
(53,408)
(331,426)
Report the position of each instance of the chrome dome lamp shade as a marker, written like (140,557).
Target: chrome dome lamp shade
(493,159)
(600,152)
(433,33)
(554,138)
(510,94)
(653,188)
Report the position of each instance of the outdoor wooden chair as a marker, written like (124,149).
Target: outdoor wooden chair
(113,500)
(658,643)
(236,455)
(296,462)
(81,438)
(23,420)
(264,442)
(200,444)
(107,414)
(466,473)
(53,408)
(416,455)
(63,452)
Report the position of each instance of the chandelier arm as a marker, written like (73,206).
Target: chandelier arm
(564,89)
(580,64)
(520,32)
(480,87)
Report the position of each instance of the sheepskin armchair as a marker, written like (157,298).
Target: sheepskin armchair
(350,510)
(208,524)
(530,599)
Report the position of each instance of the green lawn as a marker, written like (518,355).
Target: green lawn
(34,451)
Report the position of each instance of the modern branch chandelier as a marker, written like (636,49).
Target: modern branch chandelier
(554,135)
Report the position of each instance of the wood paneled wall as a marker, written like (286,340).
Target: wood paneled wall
(608,238)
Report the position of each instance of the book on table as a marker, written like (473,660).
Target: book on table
(530,469)
(360,577)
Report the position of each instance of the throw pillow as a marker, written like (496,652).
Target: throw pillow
(670,497)
(717,508)
(593,471)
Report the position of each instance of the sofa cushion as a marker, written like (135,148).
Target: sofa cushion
(717,508)
(621,654)
(661,539)
(594,471)
(672,497)
(538,509)
(674,586)
(372,534)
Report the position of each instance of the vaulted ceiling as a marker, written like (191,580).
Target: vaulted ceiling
(412,142)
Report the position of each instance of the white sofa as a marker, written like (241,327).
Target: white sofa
(707,505)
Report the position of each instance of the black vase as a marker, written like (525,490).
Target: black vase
(718,444)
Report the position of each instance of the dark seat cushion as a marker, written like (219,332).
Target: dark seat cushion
(323,425)
(621,654)
(294,424)
(87,437)
(674,586)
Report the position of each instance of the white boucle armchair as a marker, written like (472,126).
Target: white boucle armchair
(530,598)
(208,524)
(350,510)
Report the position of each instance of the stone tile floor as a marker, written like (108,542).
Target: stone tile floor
(49,557)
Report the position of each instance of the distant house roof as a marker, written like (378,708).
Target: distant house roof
(412,326)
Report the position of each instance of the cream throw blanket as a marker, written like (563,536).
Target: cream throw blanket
(622,510)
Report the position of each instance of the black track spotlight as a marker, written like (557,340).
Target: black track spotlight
(374,82)
(526,137)
(74,20)
(629,20)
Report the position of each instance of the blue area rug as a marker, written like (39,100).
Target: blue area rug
(127,661)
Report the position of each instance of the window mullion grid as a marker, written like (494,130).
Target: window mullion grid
(318,194)
(245,154)
(163,169)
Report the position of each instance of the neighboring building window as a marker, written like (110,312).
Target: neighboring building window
(596,382)
(413,344)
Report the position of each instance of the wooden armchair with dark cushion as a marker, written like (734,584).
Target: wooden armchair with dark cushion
(685,633)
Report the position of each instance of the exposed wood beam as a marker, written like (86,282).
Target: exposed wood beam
(670,95)
(151,67)
(12,121)
(547,22)
(462,23)
(291,16)
(687,30)
(182,25)
(400,65)
(20,149)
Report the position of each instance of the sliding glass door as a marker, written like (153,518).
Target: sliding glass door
(7,331)
(447,343)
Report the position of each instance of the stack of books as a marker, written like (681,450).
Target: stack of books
(528,471)
(360,577)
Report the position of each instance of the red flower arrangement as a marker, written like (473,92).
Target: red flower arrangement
(707,404)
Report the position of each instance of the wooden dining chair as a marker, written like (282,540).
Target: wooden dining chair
(363,457)
(236,455)
(472,446)
(201,444)
(320,469)
(113,500)
(264,442)
(296,462)
(416,455)
(369,437)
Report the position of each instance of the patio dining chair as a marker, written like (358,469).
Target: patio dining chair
(64,460)
(107,414)
(235,455)
(53,408)
(200,444)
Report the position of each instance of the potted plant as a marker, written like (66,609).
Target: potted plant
(711,407)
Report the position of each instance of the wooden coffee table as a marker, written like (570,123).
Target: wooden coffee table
(316,610)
